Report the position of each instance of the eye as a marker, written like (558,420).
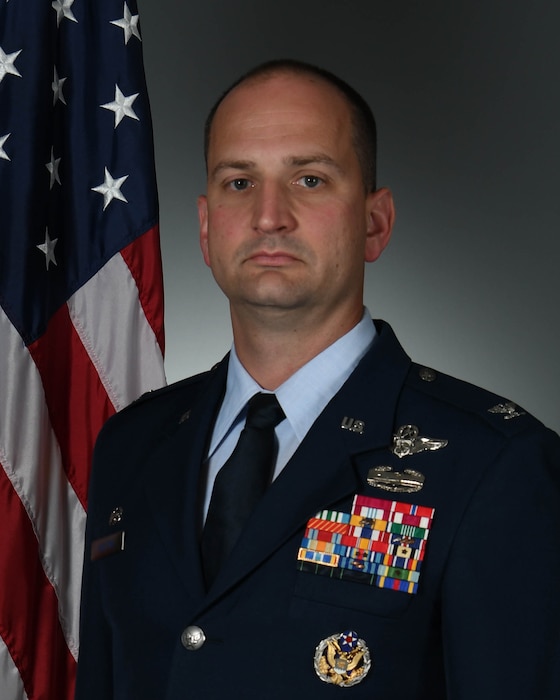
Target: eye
(240,184)
(310,181)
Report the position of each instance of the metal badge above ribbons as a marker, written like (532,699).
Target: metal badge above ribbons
(408,441)
(383,477)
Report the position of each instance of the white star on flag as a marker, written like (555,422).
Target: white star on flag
(3,153)
(52,167)
(63,10)
(111,189)
(57,85)
(129,24)
(7,64)
(48,248)
(122,106)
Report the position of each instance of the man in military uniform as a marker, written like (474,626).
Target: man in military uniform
(407,545)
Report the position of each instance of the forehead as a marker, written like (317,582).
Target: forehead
(281,107)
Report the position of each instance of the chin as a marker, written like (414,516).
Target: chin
(274,295)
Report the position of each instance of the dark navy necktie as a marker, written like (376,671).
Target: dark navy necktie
(241,482)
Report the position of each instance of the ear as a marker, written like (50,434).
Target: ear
(202,205)
(380,213)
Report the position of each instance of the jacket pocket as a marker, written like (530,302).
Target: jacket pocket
(312,593)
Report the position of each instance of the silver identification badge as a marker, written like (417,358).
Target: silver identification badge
(407,441)
(104,546)
(342,659)
(385,478)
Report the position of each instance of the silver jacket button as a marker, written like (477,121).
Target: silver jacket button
(192,638)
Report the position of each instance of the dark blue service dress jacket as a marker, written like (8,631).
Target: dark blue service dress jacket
(447,587)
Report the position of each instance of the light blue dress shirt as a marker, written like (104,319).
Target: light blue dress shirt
(303,396)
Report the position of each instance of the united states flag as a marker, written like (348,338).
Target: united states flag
(81,317)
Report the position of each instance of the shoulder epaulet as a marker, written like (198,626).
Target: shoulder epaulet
(497,412)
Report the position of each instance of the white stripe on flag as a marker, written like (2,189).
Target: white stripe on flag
(11,685)
(109,305)
(27,446)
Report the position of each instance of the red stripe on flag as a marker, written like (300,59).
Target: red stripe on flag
(144,262)
(29,624)
(76,399)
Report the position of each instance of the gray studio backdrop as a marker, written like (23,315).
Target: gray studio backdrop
(466,99)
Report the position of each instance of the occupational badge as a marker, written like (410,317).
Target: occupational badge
(342,659)
(408,441)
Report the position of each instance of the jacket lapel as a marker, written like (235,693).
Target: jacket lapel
(172,476)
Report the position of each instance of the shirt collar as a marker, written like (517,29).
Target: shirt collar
(303,395)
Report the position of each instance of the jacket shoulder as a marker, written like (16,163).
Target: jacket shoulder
(170,392)
(467,401)
(155,410)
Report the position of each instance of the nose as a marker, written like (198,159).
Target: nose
(272,211)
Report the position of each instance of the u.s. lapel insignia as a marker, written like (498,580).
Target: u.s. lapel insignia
(385,478)
(185,417)
(353,424)
(407,441)
(380,543)
(508,410)
(342,659)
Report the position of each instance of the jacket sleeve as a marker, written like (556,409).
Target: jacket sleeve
(500,611)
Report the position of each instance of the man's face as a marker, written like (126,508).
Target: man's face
(286,224)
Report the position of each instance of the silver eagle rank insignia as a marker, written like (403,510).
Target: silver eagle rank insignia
(508,410)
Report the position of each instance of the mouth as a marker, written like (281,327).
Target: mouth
(269,259)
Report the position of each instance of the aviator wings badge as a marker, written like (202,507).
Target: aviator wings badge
(408,441)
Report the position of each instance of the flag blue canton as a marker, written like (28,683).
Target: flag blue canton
(77,180)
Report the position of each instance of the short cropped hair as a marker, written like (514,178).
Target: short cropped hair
(364,135)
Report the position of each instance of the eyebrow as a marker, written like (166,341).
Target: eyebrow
(232,165)
(299,161)
(312,159)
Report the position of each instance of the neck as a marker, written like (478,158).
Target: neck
(273,345)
